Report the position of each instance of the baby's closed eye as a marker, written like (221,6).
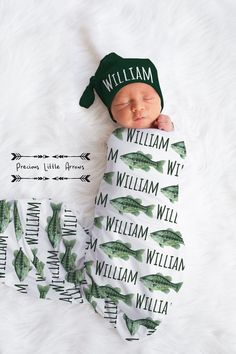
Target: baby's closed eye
(148,98)
(122,103)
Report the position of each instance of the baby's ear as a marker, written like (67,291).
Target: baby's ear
(109,109)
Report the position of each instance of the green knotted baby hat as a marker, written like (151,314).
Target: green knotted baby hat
(115,72)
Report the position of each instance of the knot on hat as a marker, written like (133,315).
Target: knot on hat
(88,96)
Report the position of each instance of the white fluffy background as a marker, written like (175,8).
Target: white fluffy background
(48,51)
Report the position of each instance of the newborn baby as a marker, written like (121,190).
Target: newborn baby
(134,264)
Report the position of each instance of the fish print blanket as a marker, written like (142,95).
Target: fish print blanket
(42,247)
(130,265)
(135,262)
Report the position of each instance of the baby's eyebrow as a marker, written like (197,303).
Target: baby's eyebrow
(148,93)
(122,99)
(121,103)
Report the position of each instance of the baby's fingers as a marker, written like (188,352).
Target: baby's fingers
(167,126)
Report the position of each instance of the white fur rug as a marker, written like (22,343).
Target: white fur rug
(48,51)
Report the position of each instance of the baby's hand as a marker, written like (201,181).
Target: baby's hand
(163,122)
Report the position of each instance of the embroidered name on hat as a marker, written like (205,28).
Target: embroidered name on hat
(130,74)
(115,72)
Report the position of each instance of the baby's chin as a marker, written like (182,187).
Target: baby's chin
(142,123)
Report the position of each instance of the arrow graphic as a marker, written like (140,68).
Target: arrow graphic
(83,178)
(17,156)
(83,156)
(17,178)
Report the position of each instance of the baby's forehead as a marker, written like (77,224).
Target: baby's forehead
(134,89)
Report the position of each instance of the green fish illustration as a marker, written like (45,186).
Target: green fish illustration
(88,298)
(121,250)
(130,205)
(98,221)
(87,266)
(21,264)
(94,305)
(4,215)
(43,290)
(160,282)
(168,237)
(180,148)
(68,259)
(133,325)
(114,294)
(118,133)
(75,276)
(142,161)
(171,192)
(54,225)
(87,294)
(37,263)
(17,223)
(108,292)
(149,323)
(108,177)
(93,288)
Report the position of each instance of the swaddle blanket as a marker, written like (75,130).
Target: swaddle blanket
(130,265)
(134,265)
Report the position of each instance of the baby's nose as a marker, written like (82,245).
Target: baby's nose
(137,107)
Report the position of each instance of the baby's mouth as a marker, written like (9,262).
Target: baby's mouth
(138,118)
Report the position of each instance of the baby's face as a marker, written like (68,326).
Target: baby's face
(136,105)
